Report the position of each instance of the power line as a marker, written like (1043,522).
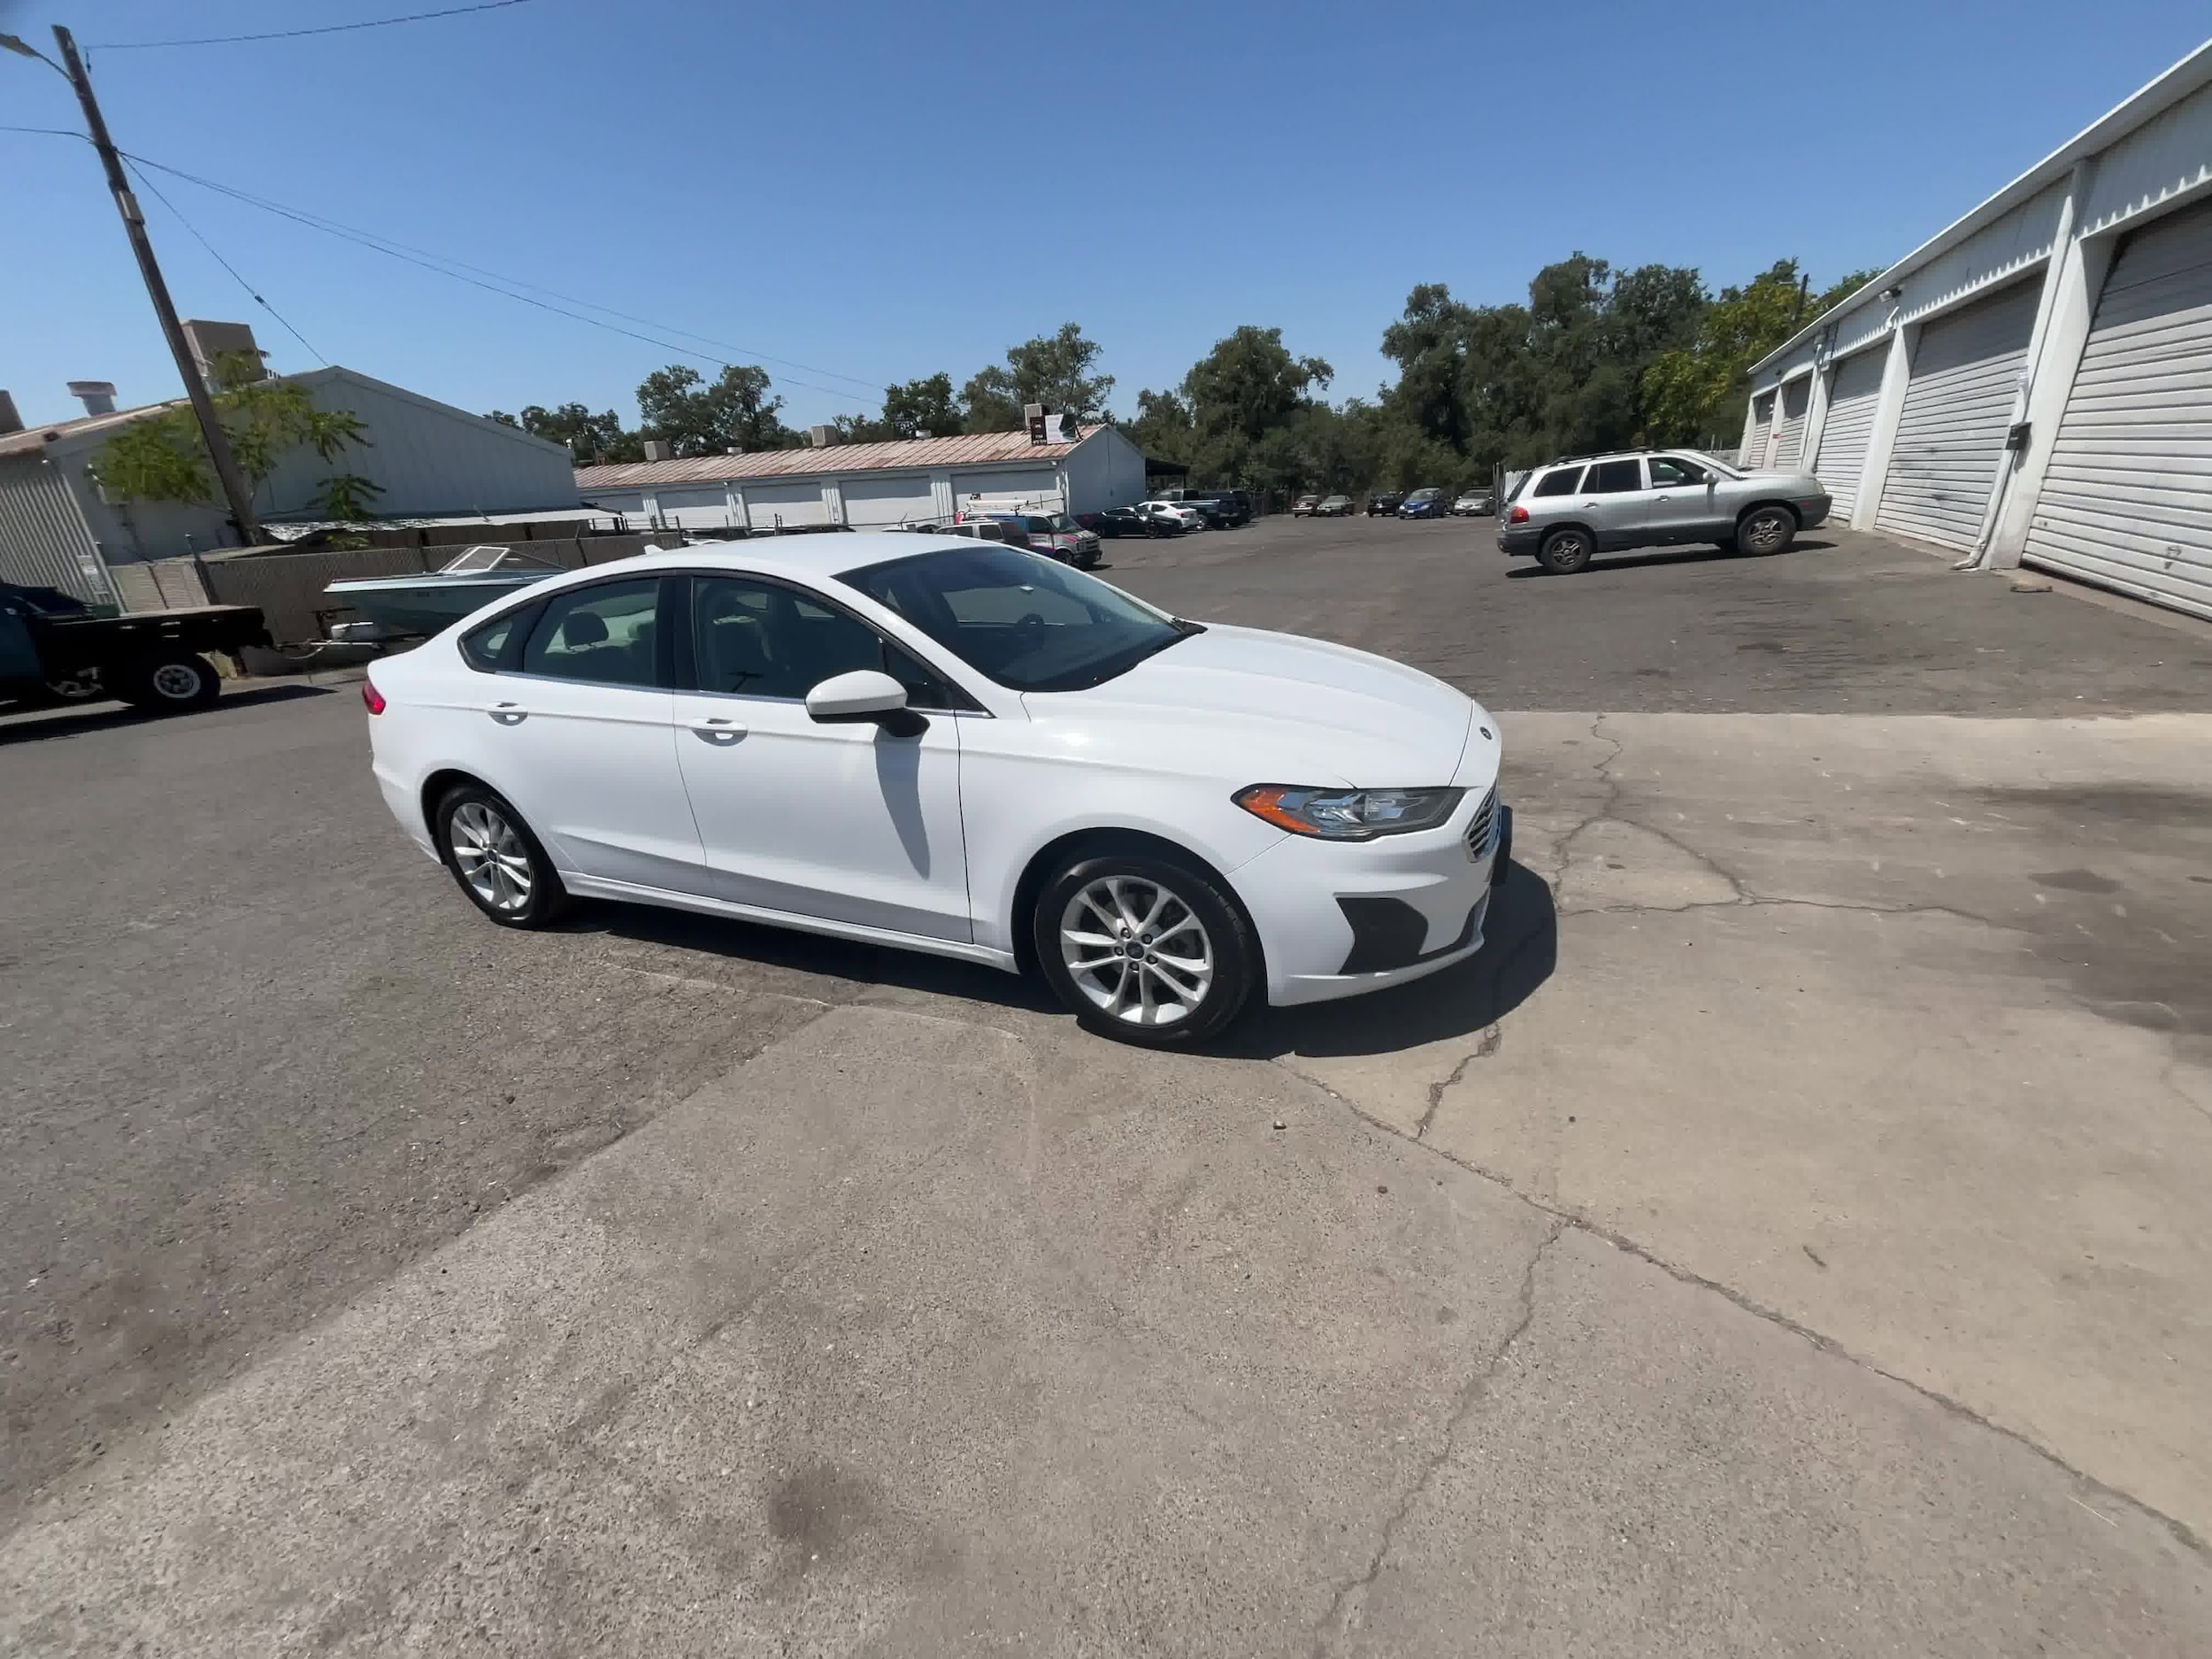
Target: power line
(293,34)
(140,176)
(51,132)
(507,286)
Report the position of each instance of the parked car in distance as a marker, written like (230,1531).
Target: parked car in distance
(956,748)
(1232,506)
(1565,512)
(1474,503)
(1120,521)
(1423,504)
(1334,507)
(1383,503)
(1304,506)
(54,650)
(1060,537)
(1185,519)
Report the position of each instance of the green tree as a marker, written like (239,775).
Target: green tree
(696,417)
(163,457)
(1695,392)
(922,408)
(1249,384)
(1053,370)
(588,437)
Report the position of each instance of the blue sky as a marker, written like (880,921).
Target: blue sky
(882,190)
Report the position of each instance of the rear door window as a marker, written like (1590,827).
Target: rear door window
(1561,482)
(603,633)
(1615,478)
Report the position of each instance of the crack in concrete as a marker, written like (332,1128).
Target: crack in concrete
(1493,1038)
(1342,1610)
(2179,1530)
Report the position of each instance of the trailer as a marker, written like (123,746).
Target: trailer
(53,649)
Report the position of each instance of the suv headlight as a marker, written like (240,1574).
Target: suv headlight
(1348,814)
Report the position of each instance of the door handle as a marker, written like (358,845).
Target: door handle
(720,731)
(508,713)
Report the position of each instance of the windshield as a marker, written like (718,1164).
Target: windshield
(1715,461)
(1028,623)
(1061,524)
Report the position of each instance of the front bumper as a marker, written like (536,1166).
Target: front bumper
(1339,920)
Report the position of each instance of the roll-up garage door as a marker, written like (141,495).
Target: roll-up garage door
(1755,453)
(1849,428)
(768,506)
(1789,437)
(700,509)
(1036,487)
(2127,501)
(881,501)
(1958,404)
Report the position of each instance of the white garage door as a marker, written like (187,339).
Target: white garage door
(1789,438)
(1037,488)
(881,501)
(1755,453)
(1965,374)
(769,505)
(701,509)
(1845,434)
(2128,499)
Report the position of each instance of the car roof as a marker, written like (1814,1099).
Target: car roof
(801,558)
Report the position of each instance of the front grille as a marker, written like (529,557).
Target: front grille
(1483,827)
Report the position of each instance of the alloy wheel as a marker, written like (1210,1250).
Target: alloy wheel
(1765,532)
(176,682)
(490,857)
(1137,950)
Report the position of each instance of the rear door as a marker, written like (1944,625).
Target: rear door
(578,732)
(1613,501)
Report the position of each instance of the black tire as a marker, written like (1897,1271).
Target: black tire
(1565,551)
(1727,544)
(175,684)
(545,898)
(1764,531)
(1123,1002)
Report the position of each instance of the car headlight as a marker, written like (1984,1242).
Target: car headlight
(1348,814)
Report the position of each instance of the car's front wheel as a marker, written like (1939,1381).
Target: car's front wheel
(1565,551)
(1144,949)
(495,858)
(1765,530)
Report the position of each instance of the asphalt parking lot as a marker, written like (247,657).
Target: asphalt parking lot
(1786,1237)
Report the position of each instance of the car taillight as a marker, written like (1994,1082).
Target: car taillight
(371,695)
(1519,515)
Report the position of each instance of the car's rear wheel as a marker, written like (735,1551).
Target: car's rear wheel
(495,858)
(170,685)
(1565,551)
(1144,949)
(1764,530)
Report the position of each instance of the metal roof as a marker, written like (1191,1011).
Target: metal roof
(974,449)
(33,439)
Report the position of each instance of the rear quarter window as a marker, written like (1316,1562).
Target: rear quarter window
(493,646)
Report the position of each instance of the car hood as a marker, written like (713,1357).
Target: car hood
(1276,708)
(1805,482)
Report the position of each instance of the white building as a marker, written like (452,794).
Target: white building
(2034,384)
(58,528)
(872,486)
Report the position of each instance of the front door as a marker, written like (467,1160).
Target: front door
(578,732)
(1680,506)
(843,823)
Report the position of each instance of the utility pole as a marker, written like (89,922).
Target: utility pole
(239,498)
(1804,288)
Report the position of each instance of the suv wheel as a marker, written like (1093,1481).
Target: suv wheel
(1145,949)
(1565,551)
(1765,530)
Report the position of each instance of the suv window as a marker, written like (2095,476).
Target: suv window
(1666,473)
(1614,477)
(602,633)
(1561,482)
(759,639)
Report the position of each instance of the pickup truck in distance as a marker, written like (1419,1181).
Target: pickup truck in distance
(53,649)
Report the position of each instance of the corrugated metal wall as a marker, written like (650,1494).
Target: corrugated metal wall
(1789,438)
(43,539)
(2127,502)
(1965,374)
(1755,453)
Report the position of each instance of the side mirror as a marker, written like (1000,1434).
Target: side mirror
(864,696)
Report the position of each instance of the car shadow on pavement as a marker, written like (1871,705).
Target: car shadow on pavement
(1520,950)
(31,725)
(1531,571)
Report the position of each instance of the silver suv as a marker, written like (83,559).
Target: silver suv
(1564,512)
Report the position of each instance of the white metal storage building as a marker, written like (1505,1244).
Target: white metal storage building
(871,485)
(59,529)
(2034,384)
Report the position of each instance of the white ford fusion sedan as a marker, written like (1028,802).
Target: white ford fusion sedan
(958,747)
